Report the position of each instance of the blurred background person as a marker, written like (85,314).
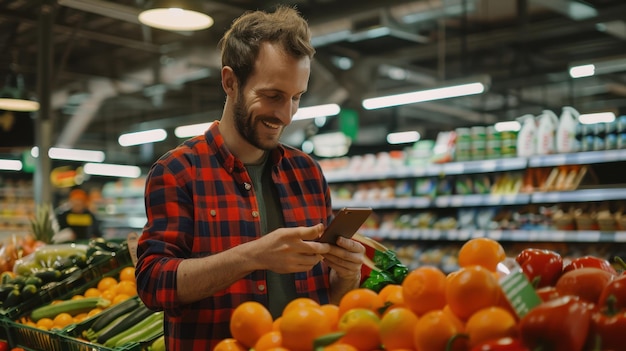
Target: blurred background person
(75,219)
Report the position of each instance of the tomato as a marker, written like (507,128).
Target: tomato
(4,346)
(617,289)
(542,267)
(502,344)
(586,283)
(608,330)
(590,261)
(557,325)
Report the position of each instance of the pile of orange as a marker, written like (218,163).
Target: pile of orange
(113,289)
(426,312)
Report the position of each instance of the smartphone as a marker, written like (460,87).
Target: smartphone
(346,222)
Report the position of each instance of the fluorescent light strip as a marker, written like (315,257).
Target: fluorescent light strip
(19,105)
(112,170)
(191,130)
(76,154)
(423,95)
(316,111)
(175,19)
(510,126)
(403,137)
(11,165)
(582,71)
(601,117)
(145,137)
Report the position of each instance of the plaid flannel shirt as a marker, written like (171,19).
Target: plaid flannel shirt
(199,202)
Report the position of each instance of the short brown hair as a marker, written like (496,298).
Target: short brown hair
(285,26)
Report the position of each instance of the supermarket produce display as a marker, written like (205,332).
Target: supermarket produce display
(535,300)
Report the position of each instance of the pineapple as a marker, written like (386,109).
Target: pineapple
(43,224)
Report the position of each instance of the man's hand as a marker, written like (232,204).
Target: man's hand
(346,260)
(289,250)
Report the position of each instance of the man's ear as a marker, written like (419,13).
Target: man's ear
(229,81)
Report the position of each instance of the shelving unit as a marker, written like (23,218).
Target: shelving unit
(121,209)
(601,193)
(17,206)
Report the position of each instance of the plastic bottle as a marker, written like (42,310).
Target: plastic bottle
(547,123)
(566,132)
(526,142)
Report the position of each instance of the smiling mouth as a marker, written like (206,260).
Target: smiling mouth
(271,125)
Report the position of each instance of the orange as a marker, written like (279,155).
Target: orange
(396,328)
(92,292)
(332,315)
(268,340)
(433,331)
(471,289)
(360,298)
(229,344)
(127,274)
(62,320)
(106,283)
(489,324)
(301,326)
(127,287)
(362,329)
(391,295)
(77,297)
(276,323)
(119,298)
(249,321)
(424,289)
(300,302)
(483,252)
(340,347)
(109,294)
(80,317)
(94,311)
(45,324)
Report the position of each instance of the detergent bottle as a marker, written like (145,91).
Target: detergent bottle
(566,131)
(526,138)
(547,123)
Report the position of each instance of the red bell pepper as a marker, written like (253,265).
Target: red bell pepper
(592,262)
(607,330)
(542,267)
(557,325)
(617,289)
(547,293)
(502,344)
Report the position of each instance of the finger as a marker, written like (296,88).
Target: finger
(350,245)
(311,233)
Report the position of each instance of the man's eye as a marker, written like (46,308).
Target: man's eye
(273,97)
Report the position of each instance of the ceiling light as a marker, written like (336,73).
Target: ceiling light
(14,97)
(582,71)
(403,137)
(112,170)
(191,130)
(145,137)
(316,111)
(444,92)
(510,126)
(11,165)
(59,153)
(176,15)
(601,117)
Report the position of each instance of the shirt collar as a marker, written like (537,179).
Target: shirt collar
(215,140)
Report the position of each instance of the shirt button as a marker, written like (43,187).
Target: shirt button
(247,186)
(261,287)
(255,214)
(213,213)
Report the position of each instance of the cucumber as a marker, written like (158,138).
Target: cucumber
(73,307)
(108,316)
(134,319)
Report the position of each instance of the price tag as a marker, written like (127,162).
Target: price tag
(518,290)
(132,241)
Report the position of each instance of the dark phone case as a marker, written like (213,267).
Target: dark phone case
(346,223)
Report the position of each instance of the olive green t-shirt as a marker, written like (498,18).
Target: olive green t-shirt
(281,288)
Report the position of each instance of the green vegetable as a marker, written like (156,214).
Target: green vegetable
(392,271)
(146,329)
(72,307)
(135,317)
(108,316)
(158,344)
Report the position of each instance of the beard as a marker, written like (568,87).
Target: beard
(245,124)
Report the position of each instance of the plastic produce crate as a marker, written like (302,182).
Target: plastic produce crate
(32,338)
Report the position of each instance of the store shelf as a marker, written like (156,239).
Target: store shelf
(585,195)
(583,236)
(579,158)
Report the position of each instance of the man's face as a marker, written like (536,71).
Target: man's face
(271,96)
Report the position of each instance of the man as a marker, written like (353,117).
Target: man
(233,214)
(77,223)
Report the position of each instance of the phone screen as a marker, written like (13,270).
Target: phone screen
(346,222)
